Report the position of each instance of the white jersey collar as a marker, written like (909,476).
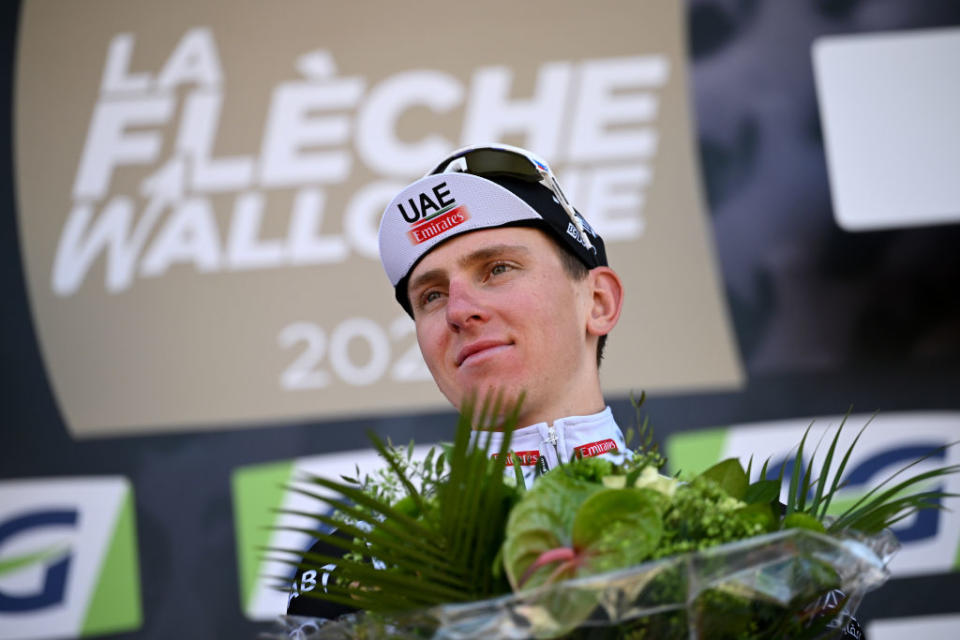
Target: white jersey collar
(550,445)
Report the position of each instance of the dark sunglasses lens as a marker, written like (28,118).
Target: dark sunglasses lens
(497,162)
(492,162)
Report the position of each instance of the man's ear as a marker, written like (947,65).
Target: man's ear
(606,301)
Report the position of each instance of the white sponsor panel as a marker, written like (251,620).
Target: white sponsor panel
(66,526)
(889,105)
(942,627)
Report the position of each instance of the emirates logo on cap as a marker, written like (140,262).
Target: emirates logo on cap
(434,226)
(432,213)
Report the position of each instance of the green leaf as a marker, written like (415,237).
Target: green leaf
(543,521)
(873,512)
(797,475)
(426,557)
(763,470)
(762,492)
(428,459)
(617,528)
(815,508)
(556,497)
(730,476)
(398,469)
(407,506)
(838,477)
(438,469)
(400,522)
(760,513)
(798,520)
(806,484)
(566,527)
(517,471)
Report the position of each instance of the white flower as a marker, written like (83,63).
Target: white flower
(650,478)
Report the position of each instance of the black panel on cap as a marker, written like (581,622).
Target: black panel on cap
(545,203)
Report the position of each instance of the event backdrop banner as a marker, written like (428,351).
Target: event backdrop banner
(930,540)
(200,185)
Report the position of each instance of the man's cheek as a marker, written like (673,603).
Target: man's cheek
(432,352)
(425,344)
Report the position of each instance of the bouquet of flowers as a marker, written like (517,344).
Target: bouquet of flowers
(454,547)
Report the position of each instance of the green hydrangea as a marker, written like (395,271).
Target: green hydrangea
(702,515)
(593,469)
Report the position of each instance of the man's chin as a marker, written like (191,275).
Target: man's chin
(491,399)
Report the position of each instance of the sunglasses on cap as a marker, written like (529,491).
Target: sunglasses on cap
(504,161)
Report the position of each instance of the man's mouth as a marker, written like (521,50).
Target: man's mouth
(475,349)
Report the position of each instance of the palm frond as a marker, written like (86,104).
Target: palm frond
(424,555)
(873,511)
(763,469)
(396,522)
(517,471)
(795,477)
(838,477)
(818,497)
(444,553)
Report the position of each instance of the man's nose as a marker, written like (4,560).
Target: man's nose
(464,305)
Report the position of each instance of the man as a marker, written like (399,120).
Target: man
(510,290)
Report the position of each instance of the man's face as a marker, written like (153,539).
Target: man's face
(494,309)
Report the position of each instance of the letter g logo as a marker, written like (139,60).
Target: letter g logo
(54,579)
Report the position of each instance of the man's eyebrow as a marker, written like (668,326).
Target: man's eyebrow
(486,253)
(480,255)
(424,278)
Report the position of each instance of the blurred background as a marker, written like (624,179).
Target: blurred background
(191,309)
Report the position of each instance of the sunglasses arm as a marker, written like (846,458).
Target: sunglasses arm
(551,183)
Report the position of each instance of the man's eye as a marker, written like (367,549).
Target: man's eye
(497,269)
(429,297)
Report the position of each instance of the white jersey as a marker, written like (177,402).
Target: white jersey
(549,445)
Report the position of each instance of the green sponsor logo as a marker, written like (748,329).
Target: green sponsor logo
(115,605)
(257,492)
(696,451)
